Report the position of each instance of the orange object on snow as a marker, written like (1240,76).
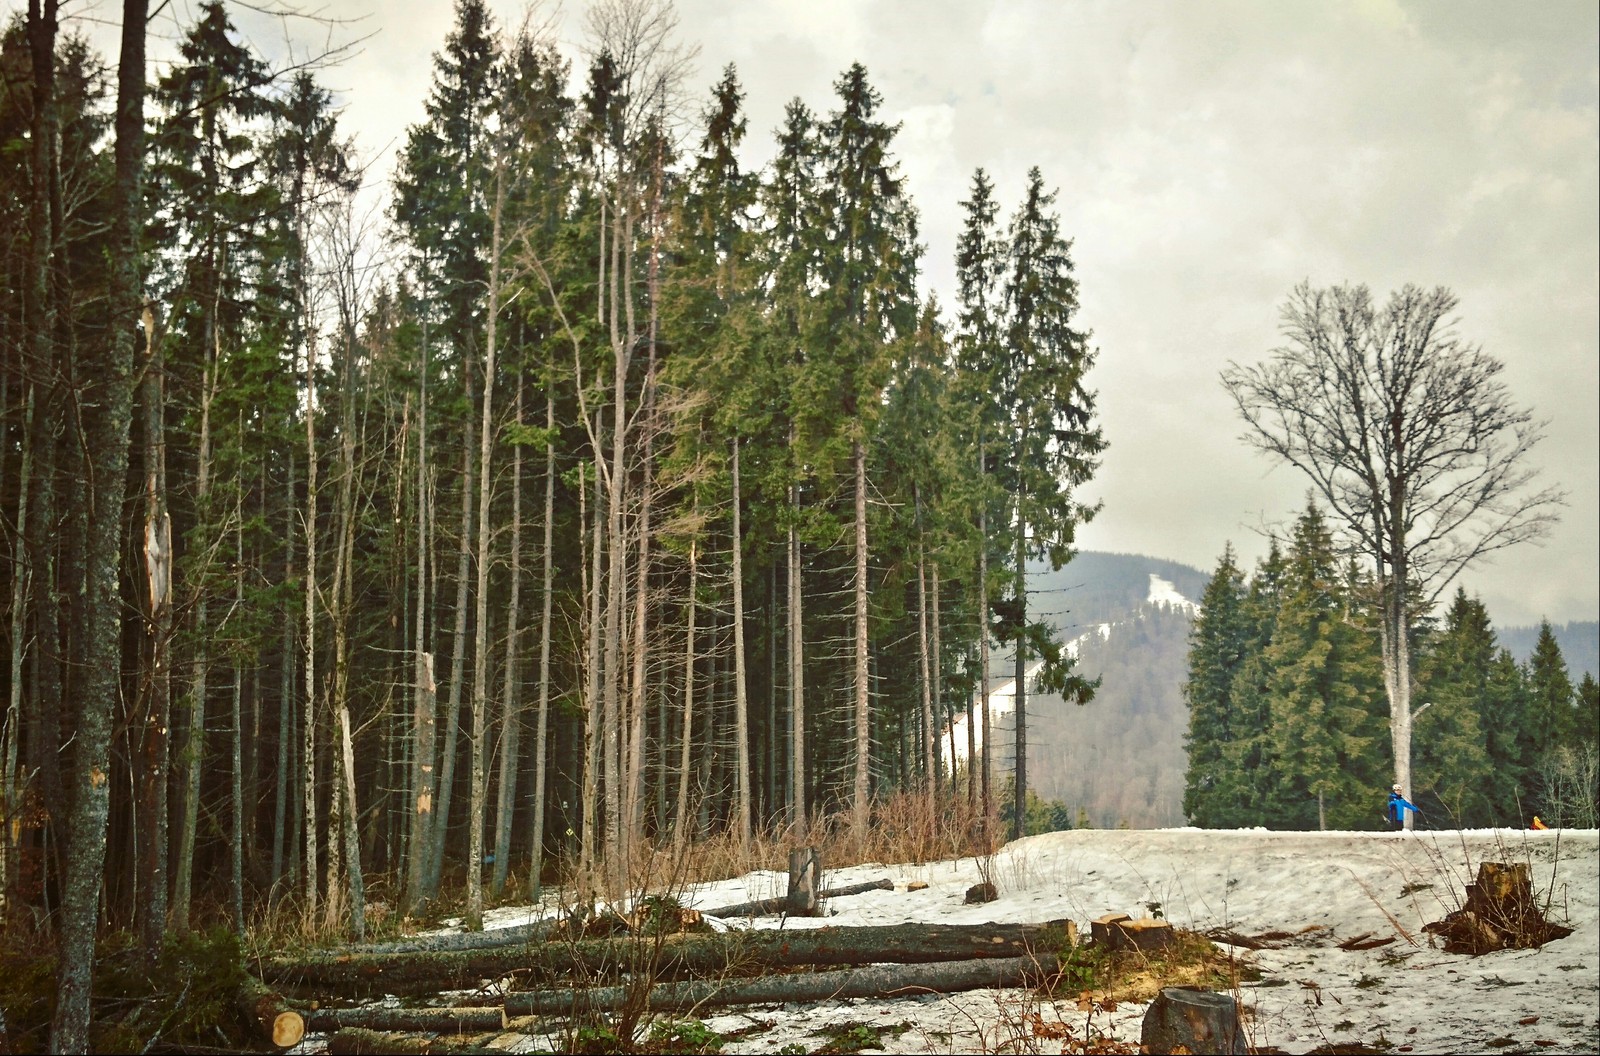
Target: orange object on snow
(1537,824)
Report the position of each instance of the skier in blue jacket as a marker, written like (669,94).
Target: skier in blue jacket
(1396,810)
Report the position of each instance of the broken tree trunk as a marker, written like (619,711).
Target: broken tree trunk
(805,876)
(1500,913)
(875,981)
(767,907)
(718,954)
(270,1014)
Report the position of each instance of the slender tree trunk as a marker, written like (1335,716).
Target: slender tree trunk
(150,902)
(1395,646)
(236,790)
(681,826)
(480,645)
(863,717)
(193,753)
(352,834)
(1020,687)
(741,696)
(11,728)
(308,720)
(930,767)
(281,800)
(511,706)
(593,734)
(797,697)
(458,658)
(108,450)
(546,591)
(424,700)
(983,653)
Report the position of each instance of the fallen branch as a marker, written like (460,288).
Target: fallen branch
(875,981)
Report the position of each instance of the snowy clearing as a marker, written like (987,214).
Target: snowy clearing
(1407,996)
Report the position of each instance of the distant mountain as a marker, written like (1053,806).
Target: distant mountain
(1120,759)
(1579,642)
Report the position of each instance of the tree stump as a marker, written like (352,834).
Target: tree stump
(1500,913)
(1118,931)
(1101,927)
(978,894)
(1196,1021)
(805,873)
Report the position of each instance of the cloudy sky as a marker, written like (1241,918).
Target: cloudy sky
(1209,156)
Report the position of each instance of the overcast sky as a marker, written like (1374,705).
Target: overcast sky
(1209,156)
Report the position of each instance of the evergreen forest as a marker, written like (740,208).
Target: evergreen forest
(601,498)
(1287,718)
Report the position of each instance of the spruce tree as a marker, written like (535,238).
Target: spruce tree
(1218,647)
(1322,694)
(1050,439)
(1451,755)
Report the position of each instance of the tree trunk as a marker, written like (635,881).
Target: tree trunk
(930,771)
(267,1011)
(355,1041)
(423,1020)
(511,708)
(150,901)
(480,644)
(1019,691)
(680,825)
(308,732)
(424,703)
(741,698)
(352,834)
(861,794)
(986,787)
(734,952)
(798,817)
(108,451)
(768,907)
(546,589)
(876,981)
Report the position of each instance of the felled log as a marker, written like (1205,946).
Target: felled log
(1196,1021)
(267,1011)
(1500,913)
(353,1041)
(874,981)
(698,955)
(767,907)
(475,1020)
(517,935)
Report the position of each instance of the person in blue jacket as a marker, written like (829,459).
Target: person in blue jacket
(1396,811)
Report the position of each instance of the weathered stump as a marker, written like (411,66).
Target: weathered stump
(1500,913)
(805,875)
(978,894)
(1193,1021)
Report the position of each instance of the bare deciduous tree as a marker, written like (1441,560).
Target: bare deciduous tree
(1411,438)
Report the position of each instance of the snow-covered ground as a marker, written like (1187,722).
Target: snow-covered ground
(1408,996)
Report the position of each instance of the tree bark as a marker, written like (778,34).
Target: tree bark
(767,907)
(547,583)
(460,1020)
(861,794)
(355,1041)
(424,703)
